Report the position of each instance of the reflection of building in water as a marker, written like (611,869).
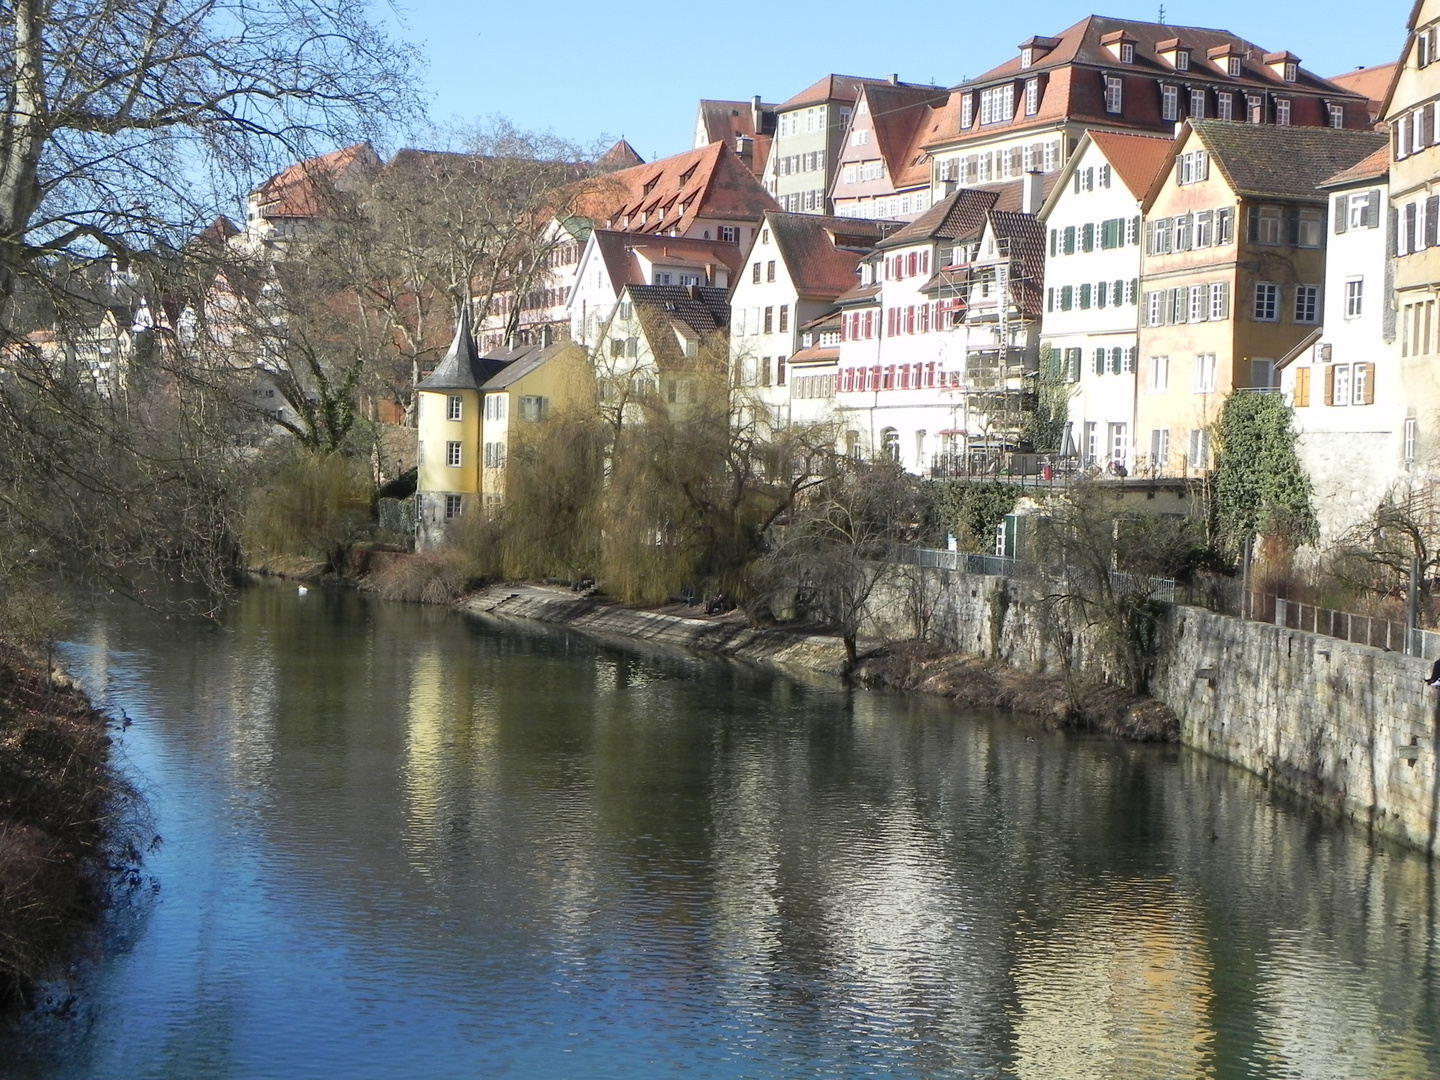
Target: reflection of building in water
(1119,987)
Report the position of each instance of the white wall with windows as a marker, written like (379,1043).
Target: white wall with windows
(1345,387)
(1092,305)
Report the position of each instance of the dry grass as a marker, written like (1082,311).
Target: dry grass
(61,813)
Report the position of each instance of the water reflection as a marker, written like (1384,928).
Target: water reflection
(403,843)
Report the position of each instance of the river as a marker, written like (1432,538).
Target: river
(404,842)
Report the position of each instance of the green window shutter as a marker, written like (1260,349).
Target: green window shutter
(1054,241)
(1342,213)
(1085,296)
(1087,240)
(1099,361)
(1070,240)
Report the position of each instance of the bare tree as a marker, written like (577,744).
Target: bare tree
(126,124)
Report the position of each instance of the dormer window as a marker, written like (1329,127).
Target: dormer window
(1027,57)
(686,175)
(650,186)
(1232,67)
(1127,53)
(1182,60)
(1292,70)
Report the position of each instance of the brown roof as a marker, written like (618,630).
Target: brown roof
(822,253)
(727,121)
(897,114)
(670,194)
(1374,167)
(1370,82)
(620,156)
(836,88)
(1282,162)
(1027,252)
(816,354)
(618,250)
(1136,159)
(297,192)
(959,216)
(663,308)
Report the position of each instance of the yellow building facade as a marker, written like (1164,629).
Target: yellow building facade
(448,418)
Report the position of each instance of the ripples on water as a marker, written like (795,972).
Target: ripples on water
(402,843)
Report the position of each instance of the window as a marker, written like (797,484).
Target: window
(1410,439)
(1219,300)
(1100,361)
(454,404)
(1225,105)
(1354,298)
(1169,102)
(1182,232)
(1127,53)
(967,111)
(1337,115)
(1199,448)
(1113,101)
(1255,103)
(1224,225)
(1160,442)
(1362,388)
(1160,237)
(1119,442)
(1291,70)
(1182,60)
(1267,225)
(769,323)
(1027,57)
(784,318)
(1310,229)
(1154,308)
(1194,166)
(1159,380)
(1267,302)
(453,505)
(1282,112)
(452,454)
(770,270)
(1307,303)
(1205,373)
(1199,308)
(1032,96)
(997,104)
(730,234)
(1204,228)
(1233,67)
(1197,100)
(1339,380)
(1092,443)
(532,408)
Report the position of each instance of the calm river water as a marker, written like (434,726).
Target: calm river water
(405,843)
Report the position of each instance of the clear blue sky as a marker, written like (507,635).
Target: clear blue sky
(623,68)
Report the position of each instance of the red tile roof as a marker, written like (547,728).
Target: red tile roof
(822,253)
(620,156)
(618,250)
(669,195)
(1374,167)
(836,88)
(1370,82)
(727,121)
(1136,159)
(296,192)
(959,216)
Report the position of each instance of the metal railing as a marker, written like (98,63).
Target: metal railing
(1372,630)
(1162,589)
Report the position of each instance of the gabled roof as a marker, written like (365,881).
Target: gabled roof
(822,253)
(663,309)
(461,367)
(961,215)
(1373,168)
(836,88)
(896,114)
(297,191)
(723,120)
(1027,253)
(670,194)
(1082,44)
(1136,159)
(534,357)
(619,249)
(620,156)
(1263,160)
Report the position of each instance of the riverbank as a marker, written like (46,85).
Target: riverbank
(913,667)
(60,844)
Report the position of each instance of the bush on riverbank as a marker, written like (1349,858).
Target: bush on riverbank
(313,508)
(62,838)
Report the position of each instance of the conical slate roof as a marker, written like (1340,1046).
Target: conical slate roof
(460,368)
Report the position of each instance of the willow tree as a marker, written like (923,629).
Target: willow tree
(127,124)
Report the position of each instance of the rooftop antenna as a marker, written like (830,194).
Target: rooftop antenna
(1162,14)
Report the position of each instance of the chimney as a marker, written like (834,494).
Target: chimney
(757,115)
(1032,193)
(745,148)
(709,273)
(895,79)
(693,291)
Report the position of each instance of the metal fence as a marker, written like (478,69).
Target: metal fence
(1372,630)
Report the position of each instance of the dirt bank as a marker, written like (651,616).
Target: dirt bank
(967,680)
(61,844)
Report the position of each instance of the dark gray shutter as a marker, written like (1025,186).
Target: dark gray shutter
(1432,219)
(1372,210)
(1342,213)
(1292,227)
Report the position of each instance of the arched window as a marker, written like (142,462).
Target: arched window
(890,443)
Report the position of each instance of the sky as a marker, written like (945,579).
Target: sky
(634,70)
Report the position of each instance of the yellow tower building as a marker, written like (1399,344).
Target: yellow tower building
(448,418)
